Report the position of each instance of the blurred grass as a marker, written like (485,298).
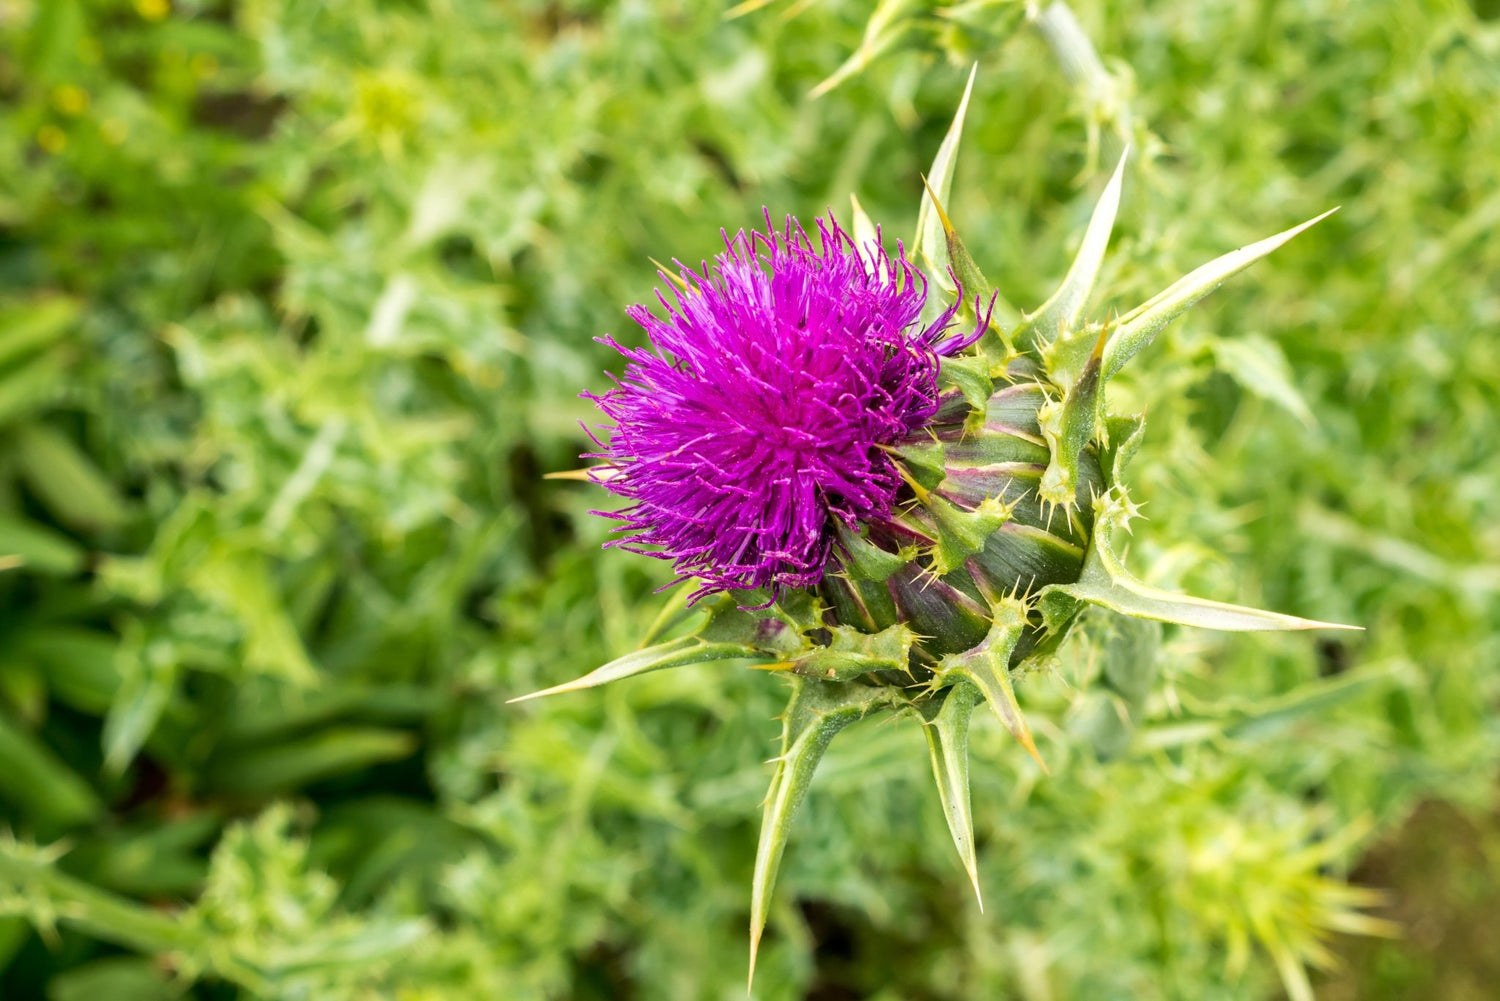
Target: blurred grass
(295,302)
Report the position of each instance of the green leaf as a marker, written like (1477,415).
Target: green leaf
(34,386)
(1129,647)
(1141,325)
(971,377)
(149,671)
(119,978)
(1059,316)
(67,481)
(271,769)
(987,666)
(861,228)
(961,532)
(885,28)
(864,560)
(851,653)
(674,653)
(38,549)
(818,710)
(33,778)
(1102,719)
(1269,717)
(930,247)
(32,885)
(1069,427)
(1106,583)
(241,582)
(1122,439)
(1258,364)
(726,633)
(29,327)
(947,732)
(160,858)
(81,665)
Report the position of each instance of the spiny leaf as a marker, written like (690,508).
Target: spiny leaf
(931,246)
(885,28)
(947,732)
(961,533)
(1069,427)
(987,666)
(1122,439)
(726,633)
(977,288)
(971,377)
(964,267)
(1106,583)
(866,237)
(1141,325)
(818,710)
(863,559)
(851,653)
(674,653)
(1059,315)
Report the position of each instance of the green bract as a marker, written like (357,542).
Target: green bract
(1003,536)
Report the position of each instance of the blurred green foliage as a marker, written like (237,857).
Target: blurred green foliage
(295,302)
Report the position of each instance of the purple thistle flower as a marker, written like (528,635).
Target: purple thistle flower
(760,412)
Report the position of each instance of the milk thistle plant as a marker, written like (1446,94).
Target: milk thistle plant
(884,492)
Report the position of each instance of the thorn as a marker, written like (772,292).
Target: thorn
(1024,739)
(570,474)
(754,951)
(1098,353)
(941,213)
(916,488)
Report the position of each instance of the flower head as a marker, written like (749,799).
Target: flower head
(761,411)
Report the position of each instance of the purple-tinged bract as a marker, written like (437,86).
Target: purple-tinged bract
(761,410)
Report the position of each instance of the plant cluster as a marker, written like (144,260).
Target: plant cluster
(295,303)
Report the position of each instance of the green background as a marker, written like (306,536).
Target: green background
(296,299)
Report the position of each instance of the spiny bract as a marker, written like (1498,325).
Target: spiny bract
(904,533)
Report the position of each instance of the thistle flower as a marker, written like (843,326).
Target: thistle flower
(761,417)
(903,520)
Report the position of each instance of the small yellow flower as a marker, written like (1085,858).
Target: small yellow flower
(51,139)
(71,99)
(153,10)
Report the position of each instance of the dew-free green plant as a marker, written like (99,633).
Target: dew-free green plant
(999,536)
(295,302)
